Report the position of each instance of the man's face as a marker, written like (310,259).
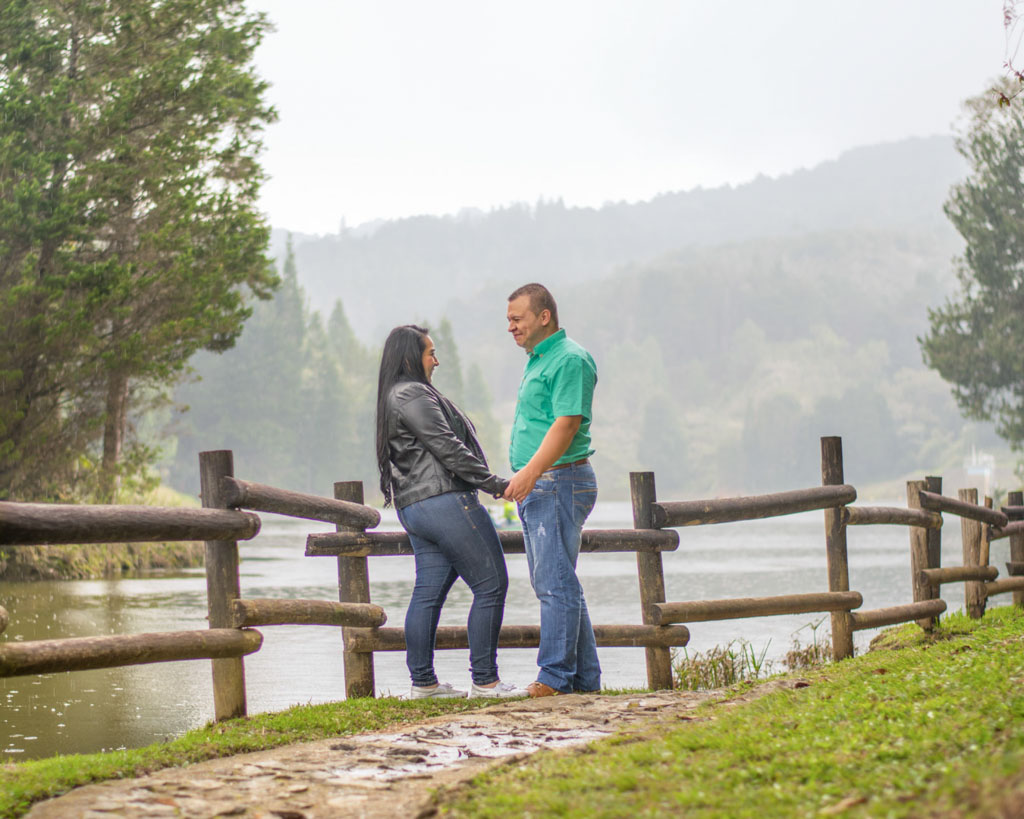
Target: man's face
(528,328)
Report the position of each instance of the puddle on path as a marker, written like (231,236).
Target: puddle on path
(385,757)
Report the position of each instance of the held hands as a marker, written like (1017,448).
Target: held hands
(520,485)
(556,442)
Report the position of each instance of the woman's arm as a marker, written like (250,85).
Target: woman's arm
(423,417)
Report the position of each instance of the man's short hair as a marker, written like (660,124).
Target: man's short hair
(540,299)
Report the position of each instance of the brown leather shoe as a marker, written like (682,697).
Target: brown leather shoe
(539,689)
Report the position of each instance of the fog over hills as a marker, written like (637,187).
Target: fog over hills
(731,328)
(408,268)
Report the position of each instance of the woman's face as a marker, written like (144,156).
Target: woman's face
(429,357)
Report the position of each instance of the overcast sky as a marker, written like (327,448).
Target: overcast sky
(393,108)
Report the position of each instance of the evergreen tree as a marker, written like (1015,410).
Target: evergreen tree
(128,183)
(448,375)
(976,340)
(327,439)
(480,409)
(249,399)
(354,358)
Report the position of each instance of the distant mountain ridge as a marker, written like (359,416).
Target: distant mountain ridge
(412,268)
(731,329)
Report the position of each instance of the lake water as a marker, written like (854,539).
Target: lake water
(88,711)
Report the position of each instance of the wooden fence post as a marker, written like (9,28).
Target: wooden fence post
(835,547)
(652,577)
(222,587)
(1017,543)
(971,531)
(354,587)
(933,483)
(919,554)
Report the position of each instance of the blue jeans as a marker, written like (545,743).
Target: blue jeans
(452,536)
(553,515)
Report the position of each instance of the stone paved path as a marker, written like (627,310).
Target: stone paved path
(371,775)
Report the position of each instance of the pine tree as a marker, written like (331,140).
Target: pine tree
(976,340)
(448,375)
(128,182)
(479,407)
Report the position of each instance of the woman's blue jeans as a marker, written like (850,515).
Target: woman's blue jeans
(553,515)
(452,536)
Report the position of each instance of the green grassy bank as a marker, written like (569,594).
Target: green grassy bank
(930,725)
(925,725)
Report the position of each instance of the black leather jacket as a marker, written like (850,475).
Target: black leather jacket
(433,447)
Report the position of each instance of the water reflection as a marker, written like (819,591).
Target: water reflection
(127,707)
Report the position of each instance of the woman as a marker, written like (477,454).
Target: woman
(431,465)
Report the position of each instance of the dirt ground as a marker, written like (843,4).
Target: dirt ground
(377,775)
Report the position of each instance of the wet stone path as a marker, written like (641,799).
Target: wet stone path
(370,775)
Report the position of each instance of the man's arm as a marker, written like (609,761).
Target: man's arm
(556,442)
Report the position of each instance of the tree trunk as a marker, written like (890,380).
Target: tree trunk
(113,433)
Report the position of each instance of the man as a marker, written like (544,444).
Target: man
(554,486)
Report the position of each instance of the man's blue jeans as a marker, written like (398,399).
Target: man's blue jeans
(553,515)
(452,536)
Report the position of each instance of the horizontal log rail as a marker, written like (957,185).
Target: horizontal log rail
(872,515)
(876,618)
(1013,512)
(385,544)
(30,524)
(1006,584)
(1015,527)
(81,653)
(393,639)
(1014,568)
(972,511)
(697,611)
(728,510)
(959,574)
(263,498)
(276,612)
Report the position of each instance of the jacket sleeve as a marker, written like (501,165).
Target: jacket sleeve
(423,417)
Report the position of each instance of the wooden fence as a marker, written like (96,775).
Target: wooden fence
(222,523)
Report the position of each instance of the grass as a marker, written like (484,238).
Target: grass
(924,725)
(23,783)
(739,661)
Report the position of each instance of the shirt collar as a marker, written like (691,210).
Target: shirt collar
(547,343)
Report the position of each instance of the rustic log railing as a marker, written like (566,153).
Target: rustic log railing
(352,548)
(1015,566)
(727,510)
(221,523)
(925,503)
(262,498)
(839,601)
(81,653)
(34,524)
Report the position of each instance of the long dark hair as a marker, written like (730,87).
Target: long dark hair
(401,360)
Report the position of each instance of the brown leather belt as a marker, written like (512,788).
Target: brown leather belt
(580,462)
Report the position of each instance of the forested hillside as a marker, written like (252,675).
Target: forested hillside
(731,329)
(414,266)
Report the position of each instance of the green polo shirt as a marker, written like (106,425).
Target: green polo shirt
(558,380)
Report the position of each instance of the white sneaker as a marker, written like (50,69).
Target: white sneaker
(438,692)
(500,691)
